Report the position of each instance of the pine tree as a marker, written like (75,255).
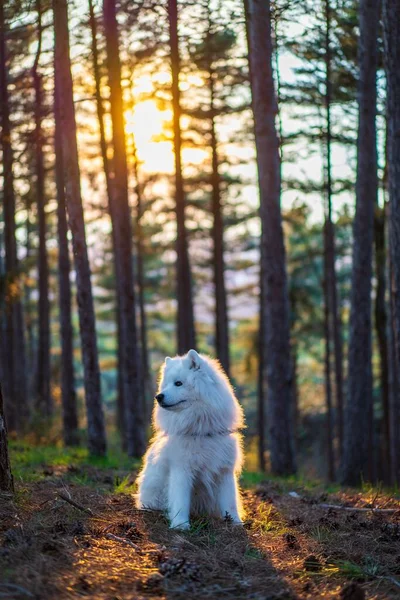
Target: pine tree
(276,303)
(333,316)
(95,417)
(185,312)
(14,371)
(6,478)
(122,231)
(391,26)
(354,464)
(68,395)
(43,396)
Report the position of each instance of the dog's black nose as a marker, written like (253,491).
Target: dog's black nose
(160,397)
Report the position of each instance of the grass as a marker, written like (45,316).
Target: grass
(126,486)
(29,462)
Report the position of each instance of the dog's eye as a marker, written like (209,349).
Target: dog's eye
(178,383)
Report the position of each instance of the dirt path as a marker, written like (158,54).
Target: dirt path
(290,547)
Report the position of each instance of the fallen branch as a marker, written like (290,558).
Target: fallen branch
(75,504)
(122,540)
(116,538)
(388,511)
(391,579)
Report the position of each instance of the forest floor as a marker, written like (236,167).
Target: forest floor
(292,546)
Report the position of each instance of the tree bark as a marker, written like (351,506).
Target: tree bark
(15,387)
(43,401)
(276,303)
(28,313)
(354,465)
(122,228)
(329,238)
(6,478)
(185,314)
(261,384)
(394,389)
(221,309)
(147,388)
(68,395)
(94,409)
(381,325)
(106,168)
(328,364)
(391,27)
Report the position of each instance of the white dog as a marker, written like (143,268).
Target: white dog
(196,455)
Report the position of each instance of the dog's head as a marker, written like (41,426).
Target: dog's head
(195,396)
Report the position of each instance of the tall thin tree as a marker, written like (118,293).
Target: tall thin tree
(14,372)
(94,410)
(328,360)
(276,343)
(147,390)
(354,464)
(106,169)
(391,27)
(122,228)
(221,308)
(381,327)
(329,235)
(185,313)
(43,396)
(6,478)
(68,394)
(261,378)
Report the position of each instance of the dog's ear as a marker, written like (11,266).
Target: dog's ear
(194,359)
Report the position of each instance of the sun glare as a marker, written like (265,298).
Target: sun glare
(147,123)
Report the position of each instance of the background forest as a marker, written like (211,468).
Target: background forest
(165,248)
(222,175)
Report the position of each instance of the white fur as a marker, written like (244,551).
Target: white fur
(192,464)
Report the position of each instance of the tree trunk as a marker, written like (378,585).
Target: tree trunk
(147,388)
(43,401)
(391,26)
(394,390)
(106,167)
(276,303)
(328,364)
(262,391)
(329,237)
(354,466)
(94,409)
(68,395)
(261,384)
(6,478)
(381,325)
(185,313)
(3,346)
(15,388)
(221,310)
(122,228)
(29,316)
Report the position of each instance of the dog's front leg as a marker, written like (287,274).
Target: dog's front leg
(179,492)
(229,498)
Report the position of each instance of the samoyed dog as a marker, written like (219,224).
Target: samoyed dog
(194,460)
